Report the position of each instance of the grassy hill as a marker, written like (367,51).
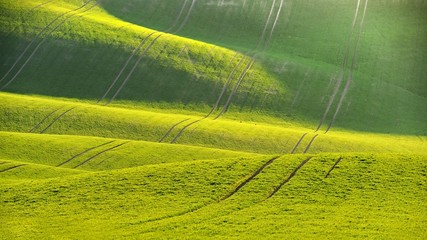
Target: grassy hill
(365,196)
(293,78)
(213,119)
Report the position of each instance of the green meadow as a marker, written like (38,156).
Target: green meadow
(213,119)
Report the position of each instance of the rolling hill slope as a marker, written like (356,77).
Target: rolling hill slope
(213,119)
(310,66)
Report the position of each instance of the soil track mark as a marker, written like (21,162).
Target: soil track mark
(353,65)
(13,167)
(103,151)
(290,176)
(343,67)
(85,151)
(227,83)
(333,167)
(44,119)
(38,36)
(236,86)
(311,142)
(40,44)
(125,66)
(298,143)
(250,178)
(185,127)
(133,69)
(172,128)
(41,5)
(56,119)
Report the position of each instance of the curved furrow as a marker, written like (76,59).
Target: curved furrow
(311,142)
(96,155)
(40,44)
(13,167)
(333,167)
(353,64)
(44,119)
(290,177)
(171,129)
(56,119)
(85,151)
(298,143)
(343,67)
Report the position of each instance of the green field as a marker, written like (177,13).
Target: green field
(213,119)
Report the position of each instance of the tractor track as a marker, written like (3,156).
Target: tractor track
(353,65)
(42,31)
(56,119)
(343,67)
(227,83)
(124,67)
(290,176)
(311,142)
(342,73)
(185,127)
(333,167)
(242,75)
(44,119)
(298,143)
(96,155)
(134,68)
(41,5)
(250,178)
(236,86)
(85,151)
(146,50)
(171,129)
(39,45)
(13,167)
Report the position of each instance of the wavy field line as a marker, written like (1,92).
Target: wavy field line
(81,153)
(40,44)
(96,155)
(38,35)
(290,177)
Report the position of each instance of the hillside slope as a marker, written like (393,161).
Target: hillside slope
(329,66)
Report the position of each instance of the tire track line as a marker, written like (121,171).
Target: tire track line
(41,5)
(250,178)
(124,67)
(264,31)
(56,119)
(44,119)
(311,142)
(184,128)
(342,72)
(10,168)
(186,17)
(298,143)
(343,67)
(178,16)
(42,31)
(290,176)
(41,43)
(133,69)
(85,151)
(353,64)
(151,44)
(171,129)
(333,167)
(227,83)
(103,151)
(236,87)
(253,58)
(144,40)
